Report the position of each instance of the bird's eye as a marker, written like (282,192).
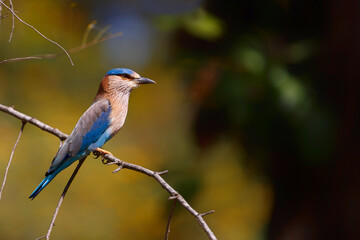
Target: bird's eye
(125,75)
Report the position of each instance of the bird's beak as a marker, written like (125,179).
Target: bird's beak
(143,80)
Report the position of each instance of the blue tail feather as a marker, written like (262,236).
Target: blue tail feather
(42,185)
(51,176)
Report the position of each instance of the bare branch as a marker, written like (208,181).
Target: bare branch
(5,14)
(207,213)
(81,161)
(167,233)
(33,121)
(1,17)
(89,27)
(167,187)
(113,160)
(163,172)
(11,156)
(13,20)
(72,50)
(95,41)
(42,35)
(172,197)
(101,33)
(19,59)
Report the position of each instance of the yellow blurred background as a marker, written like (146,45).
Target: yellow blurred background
(157,134)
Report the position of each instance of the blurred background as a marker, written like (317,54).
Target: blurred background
(254,114)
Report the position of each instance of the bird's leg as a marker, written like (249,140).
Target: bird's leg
(101,152)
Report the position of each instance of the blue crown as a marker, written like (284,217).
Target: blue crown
(118,71)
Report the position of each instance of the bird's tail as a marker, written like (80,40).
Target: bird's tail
(43,184)
(50,176)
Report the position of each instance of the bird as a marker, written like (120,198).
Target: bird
(98,124)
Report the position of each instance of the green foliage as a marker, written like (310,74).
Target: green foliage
(199,23)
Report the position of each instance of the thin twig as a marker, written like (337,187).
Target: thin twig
(167,233)
(13,20)
(163,172)
(72,50)
(1,17)
(5,14)
(81,161)
(111,159)
(42,35)
(172,197)
(11,156)
(19,59)
(207,213)
(101,33)
(89,27)
(92,43)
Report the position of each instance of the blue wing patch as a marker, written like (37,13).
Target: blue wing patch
(97,129)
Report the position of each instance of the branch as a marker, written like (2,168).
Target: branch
(1,17)
(174,194)
(95,41)
(33,28)
(5,14)
(11,156)
(72,50)
(19,59)
(167,232)
(33,121)
(52,224)
(113,160)
(88,30)
(13,20)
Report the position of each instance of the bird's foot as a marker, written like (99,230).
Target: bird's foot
(101,152)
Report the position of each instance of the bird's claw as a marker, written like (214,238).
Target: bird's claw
(96,155)
(101,152)
(104,161)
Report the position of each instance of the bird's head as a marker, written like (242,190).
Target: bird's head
(121,80)
(124,78)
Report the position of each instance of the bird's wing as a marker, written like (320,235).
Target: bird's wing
(91,125)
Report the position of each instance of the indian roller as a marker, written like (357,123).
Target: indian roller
(100,122)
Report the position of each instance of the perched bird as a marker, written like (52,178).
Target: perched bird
(103,119)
